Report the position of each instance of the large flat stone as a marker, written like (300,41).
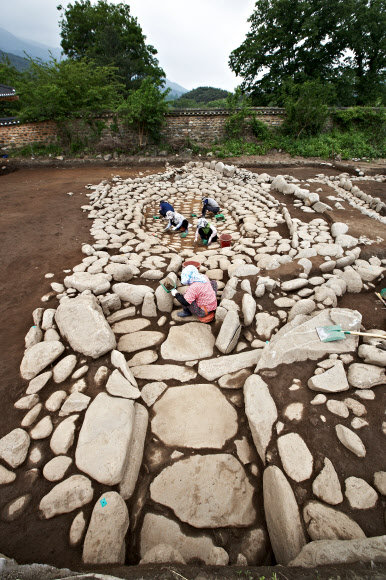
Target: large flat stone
(327,523)
(157,529)
(295,456)
(334,380)
(298,340)
(104,439)
(364,376)
(105,539)
(97,283)
(14,447)
(81,321)
(191,341)
(139,340)
(197,416)
(326,485)
(338,552)
(282,515)
(206,491)
(164,373)
(133,293)
(134,458)
(214,368)
(67,496)
(38,357)
(261,411)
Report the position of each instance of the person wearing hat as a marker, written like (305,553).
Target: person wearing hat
(201,296)
(209,204)
(165,207)
(178,221)
(206,231)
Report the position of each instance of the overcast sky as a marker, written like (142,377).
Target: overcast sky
(193,37)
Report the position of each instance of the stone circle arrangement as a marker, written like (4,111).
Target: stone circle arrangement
(244,442)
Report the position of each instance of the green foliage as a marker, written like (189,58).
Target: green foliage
(218,104)
(110,36)
(342,42)
(185,104)
(306,107)
(204,95)
(144,110)
(239,109)
(37,150)
(260,129)
(59,90)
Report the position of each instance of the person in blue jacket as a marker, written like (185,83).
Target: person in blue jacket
(165,207)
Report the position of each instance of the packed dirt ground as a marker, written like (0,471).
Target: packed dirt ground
(43,227)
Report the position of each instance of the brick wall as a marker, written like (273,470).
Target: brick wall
(104,132)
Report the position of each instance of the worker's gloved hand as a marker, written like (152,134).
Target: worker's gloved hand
(173,292)
(175,229)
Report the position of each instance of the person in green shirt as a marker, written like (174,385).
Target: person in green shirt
(206,231)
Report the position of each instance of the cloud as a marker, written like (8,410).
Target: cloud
(193,39)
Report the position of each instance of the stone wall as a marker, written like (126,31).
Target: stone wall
(182,126)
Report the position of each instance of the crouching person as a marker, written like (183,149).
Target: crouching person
(206,231)
(201,296)
(178,222)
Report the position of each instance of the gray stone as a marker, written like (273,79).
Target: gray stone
(63,436)
(350,440)
(229,333)
(38,357)
(360,494)
(97,283)
(82,322)
(336,552)
(234,380)
(158,529)
(265,324)
(164,373)
(76,402)
(14,447)
(119,272)
(77,530)
(134,459)
(214,368)
(380,481)
(56,469)
(104,439)
(33,336)
(149,307)
(145,357)
(139,340)
(294,412)
(67,496)
(261,412)
(295,456)
(131,325)
(306,306)
(249,309)
(15,508)
(206,491)
(38,383)
(152,391)
(161,554)
(194,416)
(133,293)
(372,355)
(64,368)
(326,523)
(118,360)
(164,300)
(334,380)
(6,476)
(105,539)
(282,516)
(43,429)
(193,340)
(26,403)
(326,485)
(364,376)
(295,284)
(118,386)
(245,270)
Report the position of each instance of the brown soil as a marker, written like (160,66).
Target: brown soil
(36,210)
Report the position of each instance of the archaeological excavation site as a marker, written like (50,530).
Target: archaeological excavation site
(243,440)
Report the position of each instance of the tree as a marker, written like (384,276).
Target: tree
(306,107)
(305,40)
(109,35)
(205,94)
(60,90)
(144,110)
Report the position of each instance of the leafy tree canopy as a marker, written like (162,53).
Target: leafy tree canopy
(343,42)
(203,95)
(59,90)
(109,35)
